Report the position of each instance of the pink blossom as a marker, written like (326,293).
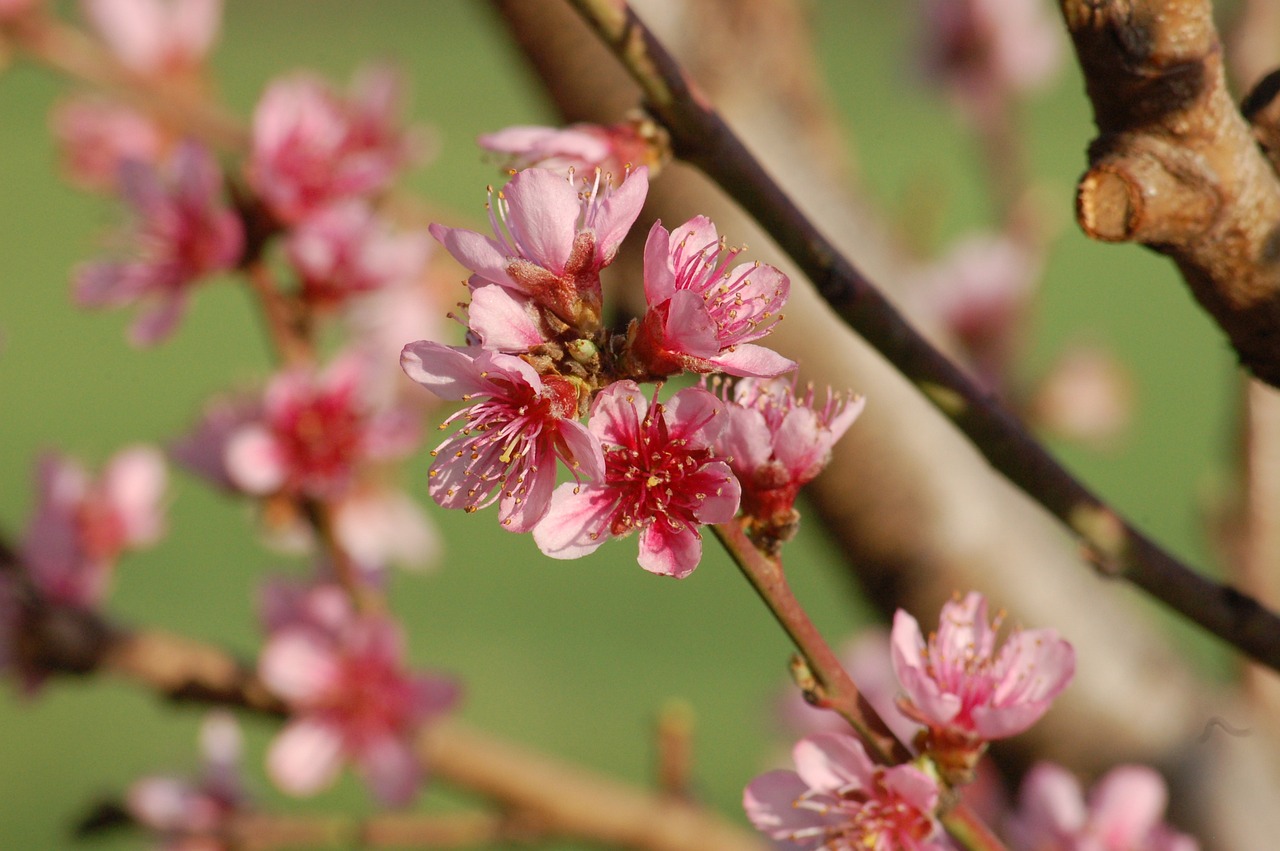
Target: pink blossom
(95,137)
(777,440)
(203,450)
(315,432)
(985,49)
(1087,395)
(82,525)
(345,250)
(551,240)
(838,800)
(312,147)
(378,325)
(965,691)
(611,148)
(1123,813)
(378,525)
(517,425)
(350,699)
(184,232)
(12,10)
(158,37)
(661,477)
(702,315)
(189,813)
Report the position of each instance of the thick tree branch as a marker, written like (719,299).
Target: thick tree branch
(1116,547)
(1175,167)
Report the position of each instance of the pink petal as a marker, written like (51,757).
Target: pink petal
(1051,804)
(617,412)
(305,757)
(576,522)
(584,448)
(521,516)
(723,493)
(254,460)
(1126,805)
(135,481)
(695,415)
(659,278)
(748,359)
(831,761)
(386,526)
(479,254)
(618,213)
(770,804)
(158,321)
(669,552)
(297,666)
(389,767)
(745,438)
(448,372)
(689,327)
(543,211)
(195,24)
(503,320)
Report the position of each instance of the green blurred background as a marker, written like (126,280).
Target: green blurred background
(573,657)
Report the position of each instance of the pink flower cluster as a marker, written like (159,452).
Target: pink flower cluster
(539,358)
(343,676)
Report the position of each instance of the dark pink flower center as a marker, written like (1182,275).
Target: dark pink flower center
(322,438)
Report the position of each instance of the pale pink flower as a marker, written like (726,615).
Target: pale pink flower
(203,450)
(1087,395)
(777,440)
(316,430)
(551,240)
(661,478)
(702,315)
(611,148)
(12,10)
(343,678)
(1123,813)
(156,37)
(378,525)
(965,690)
(183,233)
(95,137)
(378,325)
(189,813)
(82,525)
(346,250)
(312,147)
(516,425)
(984,50)
(838,800)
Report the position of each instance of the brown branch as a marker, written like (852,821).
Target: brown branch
(1115,547)
(544,795)
(1174,166)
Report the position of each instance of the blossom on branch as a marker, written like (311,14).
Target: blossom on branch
(183,233)
(661,478)
(350,698)
(837,799)
(311,147)
(703,316)
(96,137)
(515,426)
(610,148)
(777,440)
(965,691)
(551,240)
(83,524)
(157,37)
(1123,813)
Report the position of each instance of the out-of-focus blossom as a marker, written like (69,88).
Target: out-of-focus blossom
(611,148)
(379,525)
(350,698)
(95,137)
(381,322)
(516,425)
(979,291)
(203,451)
(315,432)
(1086,396)
(82,525)
(551,239)
(985,50)
(703,316)
(1123,813)
(312,147)
(661,478)
(183,233)
(965,691)
(838,800)
(777,440)
(12,10)
(346,249)
(157,37)
(187,814)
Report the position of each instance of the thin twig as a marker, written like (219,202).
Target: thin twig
(1114,546)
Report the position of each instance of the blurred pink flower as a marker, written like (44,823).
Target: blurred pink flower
(95,137)
(183,233)
(777,440)
(701,315)
(516,425)
(82,525)
(316,430)
(611,148)
(551,239)
(350,698)
(661,477)
(984,50)
(156,37)
(346,249)
(1086,396)
(838,800)
(189,814)
(312,147)
(1123,813)
(966,692)
(12,10)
